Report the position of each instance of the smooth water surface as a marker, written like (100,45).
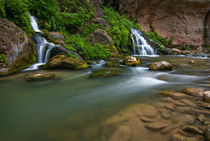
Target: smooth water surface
(73,107)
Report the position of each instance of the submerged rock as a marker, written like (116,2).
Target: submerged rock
(177,137)
(161,66)
(64,62)
(156,126)
(173,94)
(106,73)
(131,61)
(112,64)
(194,91)
(206,96)
(207,134)
(123,133)
(192,130)
(39,76)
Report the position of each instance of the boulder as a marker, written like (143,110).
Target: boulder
(64,62)
(131,61)
(101,36)
(175,51)
(206,96)
(39,76)
(105,73)
(161,66)
(101,21)
(194,91)
(17,47)
(54,37)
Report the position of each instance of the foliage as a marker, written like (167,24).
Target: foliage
(120,29)
(17,12)
(97,51)
(159,39)
(3,59)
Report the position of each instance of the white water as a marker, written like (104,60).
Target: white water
(140,45)
(43,47)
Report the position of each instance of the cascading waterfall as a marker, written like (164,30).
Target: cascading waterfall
(140,45)
(43,47)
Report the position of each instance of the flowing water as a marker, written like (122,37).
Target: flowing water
(140,45)
(74,107)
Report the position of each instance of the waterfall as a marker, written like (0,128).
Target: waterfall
(43,47)
(140,45)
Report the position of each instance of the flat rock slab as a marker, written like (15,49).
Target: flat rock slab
(150,112)
(194,91)
(156,126)
(173,94)
(188,102)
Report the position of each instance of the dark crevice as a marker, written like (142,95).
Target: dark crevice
(206,26)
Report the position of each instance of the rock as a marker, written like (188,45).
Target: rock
(101,36)
(192,130)
(131,61)
(17,46)
(206,96)
(39,76)
(191,62)
(112,64)
(169,106)
(188,102)
(54,37)
(161,66)
(175,51)
(173,94)
(182,20)
(177,137)
(101,21)
(149,112)
(207,134)
(165,114)
(64,62)
(205,105)
(145,119)
(156,126)
(194,91)
(123,133)
(106,73)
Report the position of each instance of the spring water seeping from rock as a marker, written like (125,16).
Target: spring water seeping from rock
(140,45)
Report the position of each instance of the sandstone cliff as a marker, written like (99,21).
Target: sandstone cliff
(182,20)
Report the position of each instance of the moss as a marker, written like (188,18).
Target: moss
(3,59)
(22,38)
(112,64)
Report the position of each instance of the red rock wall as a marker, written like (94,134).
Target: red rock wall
(182,20)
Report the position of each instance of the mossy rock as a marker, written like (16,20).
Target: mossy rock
(40,77)
(112,64)
(131,61)
(106,73)
(65,62)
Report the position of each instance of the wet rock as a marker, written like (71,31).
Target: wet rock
(149,112)
(17,48)
(173,94)
(169,106)
(194,91)
(101,21)
(145,119)
(161,66)
(112,64)
(165,114)
(175,51)
(205,105)
(177,137)
(106,73)
(156,126)
(39,76)
(188,102)
(183,109)
(192,130)
(191,62)
(64,62)
(206,96)
(54,37)
(131,61)
(207,134)
(123,133)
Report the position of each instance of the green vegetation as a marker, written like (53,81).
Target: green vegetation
(120,29)
(3,59)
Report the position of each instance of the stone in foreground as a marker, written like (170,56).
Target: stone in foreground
(131,61)
(194,91)
(161,66)
(206,96)
(39,76)
(64,62)
(173,94)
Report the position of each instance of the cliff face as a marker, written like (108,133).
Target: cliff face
(182,20)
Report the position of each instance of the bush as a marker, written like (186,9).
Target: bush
(3,59)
